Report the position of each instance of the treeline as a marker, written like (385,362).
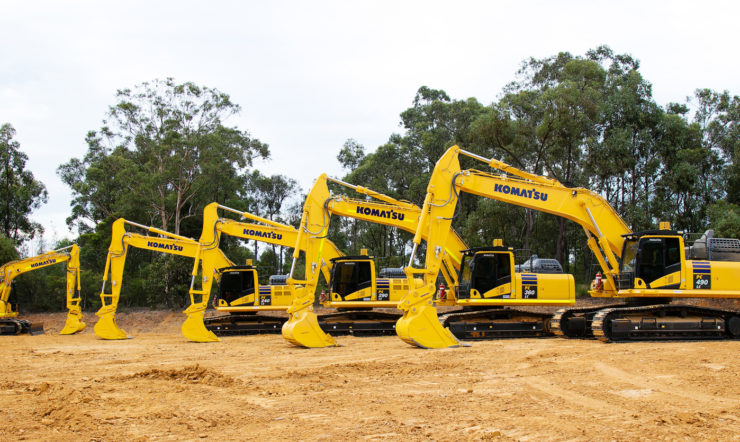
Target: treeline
(163,152)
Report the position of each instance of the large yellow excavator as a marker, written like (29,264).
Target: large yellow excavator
(354,287)
(9,321)
(646,269)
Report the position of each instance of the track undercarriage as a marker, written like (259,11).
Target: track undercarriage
(13,326)
(350,322)
(622,322)
(234,324)
(359,323)
(493,323)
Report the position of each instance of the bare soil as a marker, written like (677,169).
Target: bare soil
(159,386)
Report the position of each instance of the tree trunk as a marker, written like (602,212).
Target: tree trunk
(561,252)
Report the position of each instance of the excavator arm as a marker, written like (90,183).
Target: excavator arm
(70,255)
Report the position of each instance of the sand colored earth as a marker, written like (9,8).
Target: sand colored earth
(159,386)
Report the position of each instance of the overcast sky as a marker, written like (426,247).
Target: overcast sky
(309,75)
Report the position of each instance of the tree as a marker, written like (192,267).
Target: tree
(269,194)
(351,154)
(20,192)
(163,152)
(7,250)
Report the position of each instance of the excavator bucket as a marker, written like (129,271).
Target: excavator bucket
(73,324)
(106,327)
(303,329)
(420,326)
(195,329)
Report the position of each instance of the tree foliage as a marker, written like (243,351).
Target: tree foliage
(587,120)
(20,192)
(162,153)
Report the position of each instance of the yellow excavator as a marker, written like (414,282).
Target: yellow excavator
(9,321)
(239,292)
(354,288)
(278,295)
(645,269)
(193,327)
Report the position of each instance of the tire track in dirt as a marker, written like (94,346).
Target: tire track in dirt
(653,383)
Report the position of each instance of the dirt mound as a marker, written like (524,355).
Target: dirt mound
(192,374)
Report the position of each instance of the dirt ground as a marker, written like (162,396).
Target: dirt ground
(159,386)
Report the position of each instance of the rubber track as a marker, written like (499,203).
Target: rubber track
(448,319)
(564,314)
(602,316)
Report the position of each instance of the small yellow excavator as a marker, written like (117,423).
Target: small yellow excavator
(10,324)
(646,269)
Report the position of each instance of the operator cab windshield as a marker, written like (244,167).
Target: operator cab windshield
(236,284)
(484,272)
(349,277)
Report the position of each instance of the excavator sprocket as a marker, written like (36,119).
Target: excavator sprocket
(497,323)
(420,326)
(575,322)
(665,322)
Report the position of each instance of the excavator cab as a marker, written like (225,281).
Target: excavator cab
(651,260)
(485,273)
(238,286)
(353,279)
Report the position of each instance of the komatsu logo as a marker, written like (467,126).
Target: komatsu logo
(43,263)
(511,190)
(389,214)
(268,235)
(157,245)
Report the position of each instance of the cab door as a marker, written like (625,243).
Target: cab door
(353,281)
(659,262)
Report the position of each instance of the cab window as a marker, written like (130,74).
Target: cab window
(349,277)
